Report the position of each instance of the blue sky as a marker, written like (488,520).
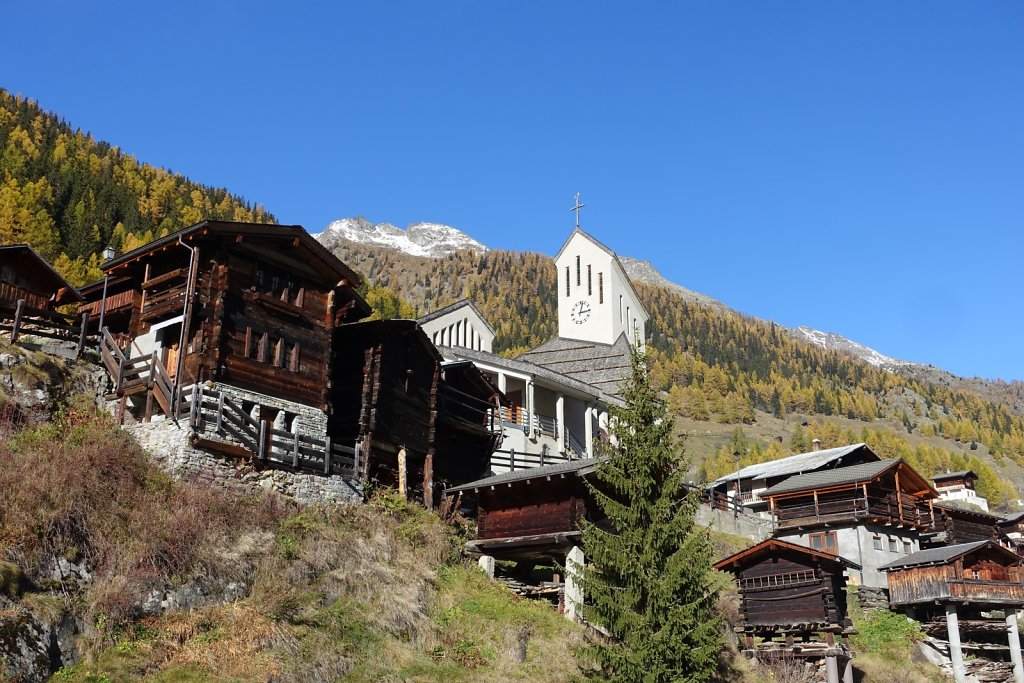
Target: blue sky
(854,167)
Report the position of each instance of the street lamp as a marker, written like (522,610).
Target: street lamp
(108,255)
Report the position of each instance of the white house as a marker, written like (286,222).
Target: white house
(459,324)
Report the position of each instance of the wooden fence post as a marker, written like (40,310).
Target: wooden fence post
(295,448)
(196,409)
(220,412)
(327,455)
(262,448)
(17,320)
(81,335)
(356,452)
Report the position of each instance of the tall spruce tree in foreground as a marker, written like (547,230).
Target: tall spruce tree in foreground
(648,580)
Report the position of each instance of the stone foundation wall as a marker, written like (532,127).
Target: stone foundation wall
(169,445)
(312,421)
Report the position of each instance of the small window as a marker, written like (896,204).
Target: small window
(577,271)
(590,290)
(567,280)
(876,542)
(906,547)
(292,359)
(892,545)
(600,288)
(825,541)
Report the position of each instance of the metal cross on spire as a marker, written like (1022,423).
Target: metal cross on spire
(577,209)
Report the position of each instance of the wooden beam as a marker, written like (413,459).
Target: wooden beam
(402,474)
(899,495)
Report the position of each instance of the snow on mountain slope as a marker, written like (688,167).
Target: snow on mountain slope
(835,342)
(420,239)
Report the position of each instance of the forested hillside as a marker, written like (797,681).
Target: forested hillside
(68,195)
(720,367)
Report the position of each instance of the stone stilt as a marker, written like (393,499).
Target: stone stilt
(848,671)
(573,591)
(1013,633)
(486,563)
(831,669)
(955,653)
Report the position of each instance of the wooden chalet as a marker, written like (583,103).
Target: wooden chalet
(959,486)
(967,582)
(31,292)
(531,514)
(956,524)
(746,487)
(416,420)
(231,324)
(792,592)
(871,512)
(1012,526)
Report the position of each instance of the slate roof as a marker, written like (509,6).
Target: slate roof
(794,464)
(604,366)
(953,475)
(941,555)
(1010,519)
(46,271)
(853,474)
(772,546)
(574,467)
(529,368)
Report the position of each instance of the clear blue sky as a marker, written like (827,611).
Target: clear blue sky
(854,167)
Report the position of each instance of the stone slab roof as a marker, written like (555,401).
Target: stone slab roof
(605,366)
(941,555)
(838,476)
(794,464)
(574,467)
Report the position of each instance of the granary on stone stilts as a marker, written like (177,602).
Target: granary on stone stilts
(794,599)
(970,589)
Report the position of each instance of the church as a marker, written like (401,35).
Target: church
(558,393)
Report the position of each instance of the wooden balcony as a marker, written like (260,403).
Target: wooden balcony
(904,512)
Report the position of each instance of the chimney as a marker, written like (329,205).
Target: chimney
(816,444)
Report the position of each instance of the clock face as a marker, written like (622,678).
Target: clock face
(580,312)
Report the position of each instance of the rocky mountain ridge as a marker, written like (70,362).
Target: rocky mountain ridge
(432,240)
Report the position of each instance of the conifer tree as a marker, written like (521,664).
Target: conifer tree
(648,577)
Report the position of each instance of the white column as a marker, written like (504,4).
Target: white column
(560,419)
(573,591)
(589,429)
(848,671)
(486,563)
(530,415)
(1014,637)
(502,381)
(955,653)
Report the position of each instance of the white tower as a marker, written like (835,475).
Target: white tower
(596,300)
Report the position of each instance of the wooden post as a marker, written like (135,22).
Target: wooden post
(817,514)
(866,503)
(357,451)
(196,409)
(512,460)
(955,653)
(295,447)
(81,334)
(17,320)
(899,496)
(262,447)
(931,511)
(402,474)
(327,455)
(220,412)
(1013,634)
(428,480)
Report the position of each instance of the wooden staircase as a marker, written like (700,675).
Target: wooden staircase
(143,374)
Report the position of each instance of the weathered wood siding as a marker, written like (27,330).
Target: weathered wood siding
(540,507)
(801,594)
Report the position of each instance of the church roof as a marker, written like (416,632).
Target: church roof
(603,366)
(450,308)
(527,367)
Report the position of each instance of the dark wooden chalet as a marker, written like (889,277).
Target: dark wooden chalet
(247,304)
(982,574)
(965,479)
(417,421)
(789,588)
(795,593)
(25,275)
(1012,526)
(887,492)
(532,514)
(31,292)
(955,524)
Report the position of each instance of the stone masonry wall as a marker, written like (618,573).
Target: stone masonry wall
(169,445)
(312,421)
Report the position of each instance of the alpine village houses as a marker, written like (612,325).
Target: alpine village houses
(254,334)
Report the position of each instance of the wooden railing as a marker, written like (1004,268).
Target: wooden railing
(170,300)
(213,413)
(856,507)
(468,409)
(29,321)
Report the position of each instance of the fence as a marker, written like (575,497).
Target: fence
(29,321)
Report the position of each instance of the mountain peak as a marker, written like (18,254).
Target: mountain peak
(433,240)
(834,342)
